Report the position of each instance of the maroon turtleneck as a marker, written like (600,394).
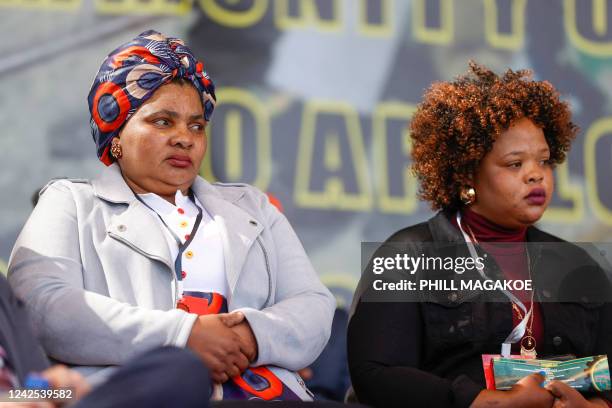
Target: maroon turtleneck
(512,260)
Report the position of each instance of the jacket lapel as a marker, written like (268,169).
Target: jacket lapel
(136,227)
(239,229)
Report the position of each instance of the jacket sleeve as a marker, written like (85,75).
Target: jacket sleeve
(24,353)
(293,331)
(385,344)
(75,325)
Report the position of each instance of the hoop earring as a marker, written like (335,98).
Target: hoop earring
(468,195)
(116,150)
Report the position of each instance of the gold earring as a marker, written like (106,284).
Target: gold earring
(468,195)
(116,150)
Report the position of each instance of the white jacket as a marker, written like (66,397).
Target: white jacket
(94,269)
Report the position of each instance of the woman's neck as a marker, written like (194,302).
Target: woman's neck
(137,189)
(487,231)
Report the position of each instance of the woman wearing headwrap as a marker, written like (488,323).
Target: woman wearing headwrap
(150,254)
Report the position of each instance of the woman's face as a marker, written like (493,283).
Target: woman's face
(164,142)
(514,181)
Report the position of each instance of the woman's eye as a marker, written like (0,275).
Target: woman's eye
(515,165)
(545,162)
(198,127)
(161,122)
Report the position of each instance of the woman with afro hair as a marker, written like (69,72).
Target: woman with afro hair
(484,150)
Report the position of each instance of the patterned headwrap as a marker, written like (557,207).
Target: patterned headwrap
(131,74)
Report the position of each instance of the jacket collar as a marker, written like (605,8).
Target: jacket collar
(111,186)
(239,229)
(442,231)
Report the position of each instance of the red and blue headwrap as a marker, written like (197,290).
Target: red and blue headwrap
(131,74)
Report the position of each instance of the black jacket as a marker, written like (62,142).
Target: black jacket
(428,354)
(16,336)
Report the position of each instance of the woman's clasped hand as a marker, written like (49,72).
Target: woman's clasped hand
(530,392)
(225,343)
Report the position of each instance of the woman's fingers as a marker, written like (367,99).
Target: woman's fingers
(232,319)
(219,377)
(532,380)
(216,344)
(528,392)
(568,397)
(563,391)
(233,371)
(58,376)
(242,362)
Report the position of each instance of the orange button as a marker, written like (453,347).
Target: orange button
(183,224)
(189,254)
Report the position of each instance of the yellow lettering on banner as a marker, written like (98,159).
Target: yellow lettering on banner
(162,7)
(388,203)
(442,35)
(309,15)
(233,136)
(599,15)
(333,195)
(55,5)
(231,99)
(386,25)
(232,18)
(598,130)
(513,40)
(567,191)
(600,27)
(332,159)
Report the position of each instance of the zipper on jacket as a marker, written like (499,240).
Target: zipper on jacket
(157,258)
(265,254)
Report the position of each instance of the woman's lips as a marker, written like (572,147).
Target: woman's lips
(537,196)
(179,161)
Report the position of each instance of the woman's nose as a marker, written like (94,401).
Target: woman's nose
(182,137)
(535,175)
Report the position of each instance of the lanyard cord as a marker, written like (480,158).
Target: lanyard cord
(519,331)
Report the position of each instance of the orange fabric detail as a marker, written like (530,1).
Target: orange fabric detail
(273,391)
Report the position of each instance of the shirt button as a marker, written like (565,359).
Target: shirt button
(184,224)
(557,341)
(181,211)
(121,228)
(183,274)
(187,236)
(189,254)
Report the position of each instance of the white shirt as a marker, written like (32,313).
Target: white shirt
(202,261)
